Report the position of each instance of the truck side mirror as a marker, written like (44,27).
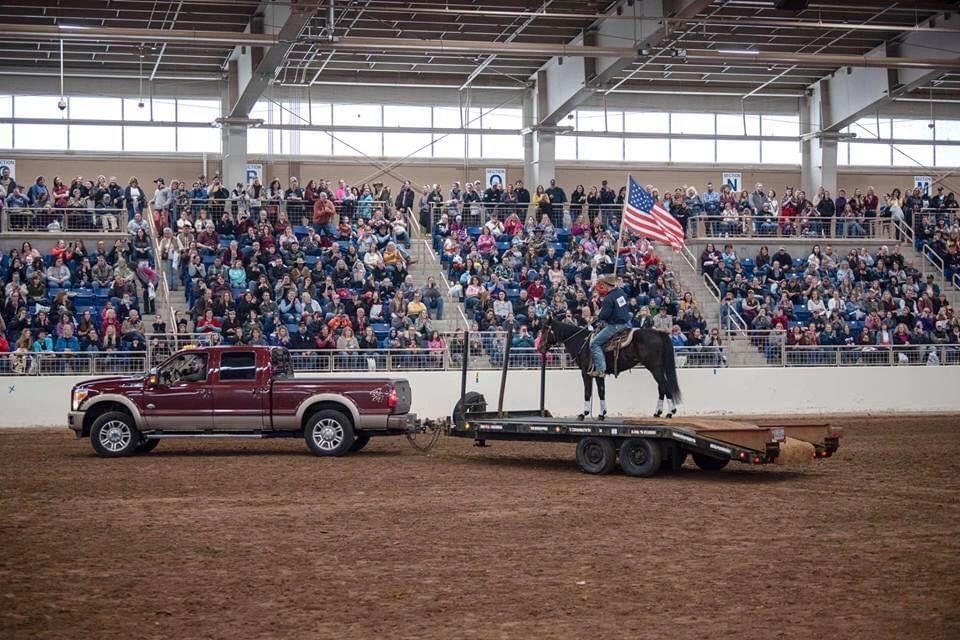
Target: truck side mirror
(152,378)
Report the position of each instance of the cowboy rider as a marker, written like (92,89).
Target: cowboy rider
(615,314)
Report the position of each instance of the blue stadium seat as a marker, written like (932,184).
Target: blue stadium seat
(799,263)
(300,231)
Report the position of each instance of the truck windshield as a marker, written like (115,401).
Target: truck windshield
(281,363)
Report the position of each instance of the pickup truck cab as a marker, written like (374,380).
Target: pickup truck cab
(237,392)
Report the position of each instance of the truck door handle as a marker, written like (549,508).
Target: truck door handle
(151,406)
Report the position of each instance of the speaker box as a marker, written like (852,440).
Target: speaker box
(790,5)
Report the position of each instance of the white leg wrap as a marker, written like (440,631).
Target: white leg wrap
(670,406)
(603,406)
(586,408)
(659,404)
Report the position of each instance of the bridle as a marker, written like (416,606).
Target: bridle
(549,331)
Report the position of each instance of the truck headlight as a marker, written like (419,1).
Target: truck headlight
(79,395)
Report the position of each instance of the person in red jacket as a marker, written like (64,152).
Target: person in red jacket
(324,215)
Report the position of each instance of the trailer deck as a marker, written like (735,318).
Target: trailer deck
(663,443)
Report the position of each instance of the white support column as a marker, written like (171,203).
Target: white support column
(544,142)
(234,145)
(528,114)
(819,147)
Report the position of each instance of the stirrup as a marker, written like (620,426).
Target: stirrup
(596,373)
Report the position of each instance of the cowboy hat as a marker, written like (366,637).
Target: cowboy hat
(609,280)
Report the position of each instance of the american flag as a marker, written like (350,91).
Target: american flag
(643,216)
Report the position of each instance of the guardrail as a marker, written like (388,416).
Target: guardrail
(298,212)
(704,227)
(57,220)
(562,216)
(86,363)
(485,352)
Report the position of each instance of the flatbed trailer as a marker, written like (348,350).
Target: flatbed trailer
(642,446)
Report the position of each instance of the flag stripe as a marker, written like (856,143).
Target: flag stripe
(644,216)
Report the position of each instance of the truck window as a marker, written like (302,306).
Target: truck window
(187,367)
(281,363)
(238,365)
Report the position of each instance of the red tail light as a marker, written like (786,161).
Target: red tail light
(392,399)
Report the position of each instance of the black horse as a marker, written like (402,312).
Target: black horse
(648,347)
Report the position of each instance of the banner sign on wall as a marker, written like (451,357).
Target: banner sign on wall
(254,171)
(923,183)
(496,175)
(9,163)
(732,180)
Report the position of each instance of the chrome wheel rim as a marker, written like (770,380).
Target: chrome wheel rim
(115,436)
(328,434)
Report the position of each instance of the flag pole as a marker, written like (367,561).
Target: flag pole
(616,255)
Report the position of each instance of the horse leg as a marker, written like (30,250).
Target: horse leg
(660,394)
(671,406)
(602,394)
(587,394)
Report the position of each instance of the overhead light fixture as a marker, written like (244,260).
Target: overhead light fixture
(73,26)
(740,52)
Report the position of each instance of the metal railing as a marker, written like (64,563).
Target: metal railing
(298,212)
(562,216)
(484,352)
(703,227)
(55,220)
(85,363)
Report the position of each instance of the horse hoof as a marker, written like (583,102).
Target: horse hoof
(658,414)
(581,417)
(602,416)
(670,415)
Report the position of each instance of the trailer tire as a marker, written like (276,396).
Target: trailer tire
(709,464)
(596,455)
(360,442)
(472,401)
(640,457)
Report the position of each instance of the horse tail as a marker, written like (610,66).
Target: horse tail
(670,368)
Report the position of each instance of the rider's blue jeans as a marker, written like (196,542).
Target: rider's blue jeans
(596,345)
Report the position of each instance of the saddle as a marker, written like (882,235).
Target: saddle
(619,340)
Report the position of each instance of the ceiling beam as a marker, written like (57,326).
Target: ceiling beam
(117,34)
(259,68)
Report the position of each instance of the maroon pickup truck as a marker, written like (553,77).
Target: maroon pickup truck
(237,392)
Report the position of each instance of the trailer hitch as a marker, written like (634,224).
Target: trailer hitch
(424,434)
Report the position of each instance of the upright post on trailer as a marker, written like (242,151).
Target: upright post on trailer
(463,368)
(503,369)
(543,383)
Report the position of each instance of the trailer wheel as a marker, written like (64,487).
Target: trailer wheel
(360,442)
(673,457)
(596,455)
(709,464)
(472,401)
(640,457)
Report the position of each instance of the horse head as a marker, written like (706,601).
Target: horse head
(547,337)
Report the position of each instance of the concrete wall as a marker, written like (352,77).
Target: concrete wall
(29,401)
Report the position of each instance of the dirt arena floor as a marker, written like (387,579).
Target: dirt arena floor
(262,540)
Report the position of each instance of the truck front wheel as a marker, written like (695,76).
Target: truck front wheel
(114,435)
(329,433)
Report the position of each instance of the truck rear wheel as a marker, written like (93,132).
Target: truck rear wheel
(709,464)
(114,435)
(596,455)
(640,457)
(329,433)
(360,442)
